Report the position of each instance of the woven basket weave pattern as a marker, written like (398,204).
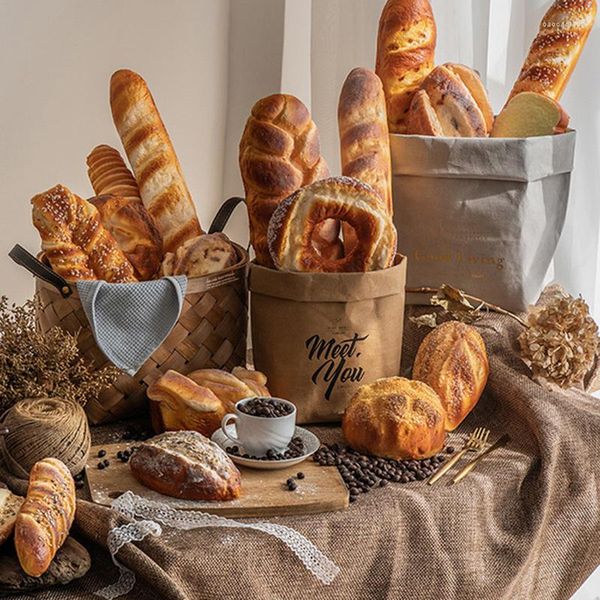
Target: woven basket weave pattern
(210,333)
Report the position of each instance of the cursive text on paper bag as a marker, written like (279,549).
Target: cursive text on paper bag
(333,356)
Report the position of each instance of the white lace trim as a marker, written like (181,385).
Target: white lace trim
(131,507)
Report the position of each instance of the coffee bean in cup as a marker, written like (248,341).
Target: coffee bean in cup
(266,407)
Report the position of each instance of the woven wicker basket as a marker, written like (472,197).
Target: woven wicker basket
(210,333)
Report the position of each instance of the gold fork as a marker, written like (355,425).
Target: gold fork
(476,441)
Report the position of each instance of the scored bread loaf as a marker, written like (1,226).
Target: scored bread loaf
(208,253)
(556,48)
(185,464)
(405,54)
(364,136)
(155,164)
(279,153)
(9,507)
(45,517)
(177,403)
(74,241)
(109,174)
(451,102)
(134,230)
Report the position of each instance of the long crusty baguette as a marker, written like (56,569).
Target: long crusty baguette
(74,240)
(405,54)
(109,174)
(279,153)
(364,136)
(556,48)
(45,518)
(153,159)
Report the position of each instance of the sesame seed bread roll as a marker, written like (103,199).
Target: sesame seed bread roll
(153,159)
(45,518)
(556,48)
(74,241)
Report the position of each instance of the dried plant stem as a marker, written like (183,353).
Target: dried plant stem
(474,299)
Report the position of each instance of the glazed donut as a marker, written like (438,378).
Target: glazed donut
(342,198)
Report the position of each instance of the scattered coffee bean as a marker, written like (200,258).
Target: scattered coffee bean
(300,475)
(291,485)
(101,465)
(266,407)
(106,462)
(450,450)
(361,472)
(101,453)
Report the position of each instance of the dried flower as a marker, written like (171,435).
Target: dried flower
(34,365)
(561,342)
(426,320)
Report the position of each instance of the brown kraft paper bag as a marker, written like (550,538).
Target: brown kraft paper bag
(319,336)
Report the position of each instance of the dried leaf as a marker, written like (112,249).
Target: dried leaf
(427,320)
(455,302)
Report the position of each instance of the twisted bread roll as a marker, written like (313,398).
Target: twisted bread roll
(405,54)
(364,136)
(134,230)
(74,240)
(279,153)
(556,48)
(46,516)
(151,154)
(109,174)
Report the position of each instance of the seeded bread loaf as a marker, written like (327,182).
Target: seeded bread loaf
(185,464)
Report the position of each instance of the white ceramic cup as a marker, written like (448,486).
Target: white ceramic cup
(259,434)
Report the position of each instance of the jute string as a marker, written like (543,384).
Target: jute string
(42,427)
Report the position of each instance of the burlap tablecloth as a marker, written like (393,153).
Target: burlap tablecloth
(524,525)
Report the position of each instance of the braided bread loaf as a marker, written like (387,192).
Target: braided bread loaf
(46,516)
(556,48)
(279,153)
(151,154)
(405,54)
(109,174)
(74,240)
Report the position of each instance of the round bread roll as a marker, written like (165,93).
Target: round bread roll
(395,418)
(452,359)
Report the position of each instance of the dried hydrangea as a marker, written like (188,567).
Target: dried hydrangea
(561,342)
(35,365)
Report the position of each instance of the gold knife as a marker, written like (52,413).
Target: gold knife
(499,443)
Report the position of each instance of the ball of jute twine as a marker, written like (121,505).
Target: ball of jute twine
(43,427)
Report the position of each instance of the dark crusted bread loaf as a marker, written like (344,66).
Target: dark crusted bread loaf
(185,464)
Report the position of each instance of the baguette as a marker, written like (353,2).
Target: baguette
(405,54)
(45,518)
(364,136)
(74,241)
(556,48)
(155,164)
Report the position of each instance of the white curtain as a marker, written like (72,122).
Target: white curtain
(493,36)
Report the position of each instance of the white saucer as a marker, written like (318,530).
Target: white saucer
(310,440)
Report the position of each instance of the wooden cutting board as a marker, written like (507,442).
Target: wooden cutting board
(264,493)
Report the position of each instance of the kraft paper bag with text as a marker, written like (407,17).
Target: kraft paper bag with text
(319,336)
(481,214)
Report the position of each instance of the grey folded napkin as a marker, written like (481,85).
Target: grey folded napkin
(131,320)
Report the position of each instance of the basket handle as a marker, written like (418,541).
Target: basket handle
(224,213)
(37,268)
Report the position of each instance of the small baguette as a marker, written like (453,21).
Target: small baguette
(155,164)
